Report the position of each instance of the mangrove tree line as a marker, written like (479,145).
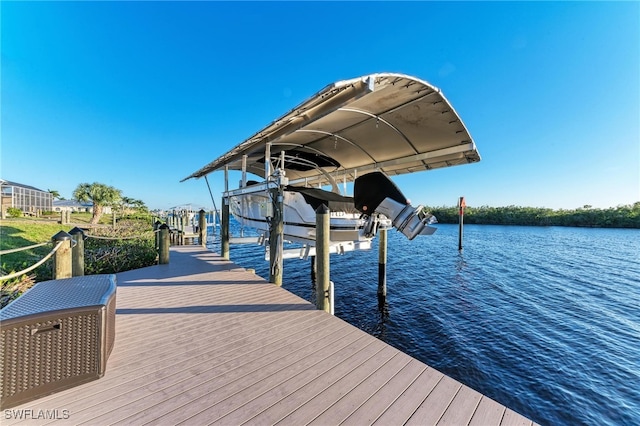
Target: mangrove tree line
(627,216)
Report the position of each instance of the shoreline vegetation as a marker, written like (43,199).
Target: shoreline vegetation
(624,216)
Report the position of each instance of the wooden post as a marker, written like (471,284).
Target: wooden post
(163,250)
(224,231)
(77,252)
(62,258)
(323,301)
(382,267)
(62,216)
(156,227)
(312,266)
(183,226)
(113,218)
(461,206)
(202,228)
(276,237)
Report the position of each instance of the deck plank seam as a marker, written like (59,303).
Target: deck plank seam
(240,377)
(309,398)
(286,367)
(398,354)
(196,324)
(378,393)
(147,384)
(125,372)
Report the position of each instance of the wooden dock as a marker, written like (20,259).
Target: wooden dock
(203,341)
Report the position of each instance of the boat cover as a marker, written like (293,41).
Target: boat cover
(315,197)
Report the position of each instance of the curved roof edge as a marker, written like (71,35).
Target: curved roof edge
(335,97)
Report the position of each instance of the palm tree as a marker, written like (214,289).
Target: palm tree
(125,204)
(98,193)
(140,205)
(54,194)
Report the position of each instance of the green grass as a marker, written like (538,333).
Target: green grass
(16,233)
(19,233)
(101,256)
(105,219)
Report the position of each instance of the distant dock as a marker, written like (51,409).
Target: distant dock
(203,341)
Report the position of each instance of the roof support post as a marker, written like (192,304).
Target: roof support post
(244,171)
(267,161)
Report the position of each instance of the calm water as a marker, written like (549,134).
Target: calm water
(545,320)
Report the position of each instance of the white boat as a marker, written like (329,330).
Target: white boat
(361,130)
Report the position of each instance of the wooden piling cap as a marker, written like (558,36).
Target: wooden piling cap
(61,236)
(77,230)
(322,209)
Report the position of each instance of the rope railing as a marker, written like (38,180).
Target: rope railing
(115,238)
(31,268)
(15,250)
(162,245)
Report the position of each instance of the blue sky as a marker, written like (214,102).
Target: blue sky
(140,95)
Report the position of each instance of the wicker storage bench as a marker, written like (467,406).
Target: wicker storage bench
(57,335)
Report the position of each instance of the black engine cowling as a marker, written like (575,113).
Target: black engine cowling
(371,189)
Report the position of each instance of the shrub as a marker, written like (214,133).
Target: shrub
(14,212)
(112,256)
(131,246)
(11,289)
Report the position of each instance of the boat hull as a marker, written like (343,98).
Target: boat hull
(254,210)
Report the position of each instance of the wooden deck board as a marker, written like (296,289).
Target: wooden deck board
(270,406)
(334,388)
(227,385)
(488,412)
(461,409)
(307,369)
(213,378)
(373,408)
(202,341)
(408,402)
(434,406)
(168,382)
(362,392)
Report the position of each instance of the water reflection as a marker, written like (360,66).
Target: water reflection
(519,307)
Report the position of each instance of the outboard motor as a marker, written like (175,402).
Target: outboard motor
(376,193)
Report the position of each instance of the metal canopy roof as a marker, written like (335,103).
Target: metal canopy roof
(389,122)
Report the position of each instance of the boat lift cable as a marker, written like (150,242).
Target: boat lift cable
(215,209)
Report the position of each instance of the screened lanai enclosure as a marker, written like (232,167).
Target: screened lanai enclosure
(28,199)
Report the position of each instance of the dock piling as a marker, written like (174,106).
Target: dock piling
(224,229)
(323,297)
(202,228)
(461,206)
(382,268)
(224,226)
(163,250)
(62,258)
(77,252)
(276,237)
(156,230)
